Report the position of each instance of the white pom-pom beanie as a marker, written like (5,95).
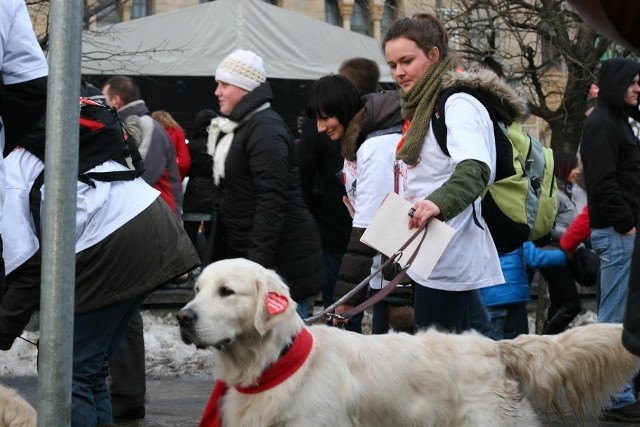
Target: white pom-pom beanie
(242,68)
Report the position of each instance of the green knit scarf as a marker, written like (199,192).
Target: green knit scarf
(417,106)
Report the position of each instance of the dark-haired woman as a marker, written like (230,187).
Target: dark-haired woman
(368,128)
(564,298)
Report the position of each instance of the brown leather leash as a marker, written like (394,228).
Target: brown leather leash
(328,314)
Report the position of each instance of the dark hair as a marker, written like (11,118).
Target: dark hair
(364,73)
(424,29)
(333,96)
(200,123)
(87,90)
(563,164)
(125,87)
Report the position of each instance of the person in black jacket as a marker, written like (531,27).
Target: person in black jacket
(261,212)
(197,203)
(610,155)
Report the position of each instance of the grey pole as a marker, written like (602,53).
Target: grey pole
(59,231)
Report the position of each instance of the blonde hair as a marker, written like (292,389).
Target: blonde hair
(165,119)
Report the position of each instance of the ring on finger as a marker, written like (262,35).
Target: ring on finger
(412,212)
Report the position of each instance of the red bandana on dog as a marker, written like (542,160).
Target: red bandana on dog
(271,377)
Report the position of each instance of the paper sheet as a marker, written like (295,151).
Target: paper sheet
(389,230)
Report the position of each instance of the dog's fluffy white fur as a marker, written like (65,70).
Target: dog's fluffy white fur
(430,379)
(14,410)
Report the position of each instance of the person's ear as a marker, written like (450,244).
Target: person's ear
(434,54)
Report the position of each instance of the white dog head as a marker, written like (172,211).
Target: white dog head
(235,298)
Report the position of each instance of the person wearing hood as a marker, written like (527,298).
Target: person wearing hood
(610,155)
(368,128)
(261,215)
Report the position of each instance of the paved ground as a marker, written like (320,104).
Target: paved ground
(180,401)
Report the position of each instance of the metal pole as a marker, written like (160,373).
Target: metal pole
(59,231)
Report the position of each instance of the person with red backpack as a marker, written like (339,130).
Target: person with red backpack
(128,243)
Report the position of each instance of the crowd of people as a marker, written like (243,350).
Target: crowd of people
(302,208)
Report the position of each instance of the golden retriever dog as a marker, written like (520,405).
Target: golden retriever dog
(340,378)
(14,410)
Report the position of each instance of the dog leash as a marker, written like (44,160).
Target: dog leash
(328,314)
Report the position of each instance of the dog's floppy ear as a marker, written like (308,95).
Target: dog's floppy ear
(273,301)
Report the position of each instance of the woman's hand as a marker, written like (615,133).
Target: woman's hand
(339,310)
(421,212)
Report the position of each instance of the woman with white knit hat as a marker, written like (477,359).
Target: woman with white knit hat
(261,213)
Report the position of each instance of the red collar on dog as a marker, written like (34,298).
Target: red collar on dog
(284,367)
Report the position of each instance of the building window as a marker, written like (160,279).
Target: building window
(139,9)
(107,12)
(388,16)
(332,13)
(361,18)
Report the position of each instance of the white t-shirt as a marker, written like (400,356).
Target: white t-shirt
(21,58)
(100,210)
(470,261)
(368,181)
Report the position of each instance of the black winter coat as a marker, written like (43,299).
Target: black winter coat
(261,213)
(321,173)
(198,196)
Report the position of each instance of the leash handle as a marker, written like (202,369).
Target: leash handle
(389,287)
(328,312)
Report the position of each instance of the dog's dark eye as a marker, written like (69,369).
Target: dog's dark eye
(225,292)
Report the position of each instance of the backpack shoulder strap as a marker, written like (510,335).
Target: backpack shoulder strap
(438,118)
(35,203)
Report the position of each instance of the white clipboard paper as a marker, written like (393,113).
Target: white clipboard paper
(389,230)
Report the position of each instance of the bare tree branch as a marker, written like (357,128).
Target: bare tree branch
(540,46)
(105,40)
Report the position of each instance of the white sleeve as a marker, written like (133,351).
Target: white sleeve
(375,177)
(469,131)
(21,55)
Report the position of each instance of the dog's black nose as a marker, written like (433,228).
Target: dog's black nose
(186,317)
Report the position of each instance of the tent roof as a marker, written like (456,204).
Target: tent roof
(193,41)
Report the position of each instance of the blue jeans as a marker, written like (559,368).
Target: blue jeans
(302,307)
(332,262)
(96,337)
(508,321)
(614,250)
(479,318)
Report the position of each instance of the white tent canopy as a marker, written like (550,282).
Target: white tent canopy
(193,41)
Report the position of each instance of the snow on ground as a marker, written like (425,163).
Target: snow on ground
(166,354)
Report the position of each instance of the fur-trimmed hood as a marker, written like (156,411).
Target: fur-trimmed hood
(381,111)
(495,91)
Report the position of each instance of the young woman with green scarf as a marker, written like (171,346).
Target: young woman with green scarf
(441,186)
